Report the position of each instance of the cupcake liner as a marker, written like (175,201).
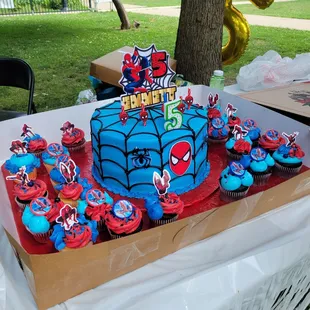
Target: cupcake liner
(42,238)
(101,226)
(218,141)
(76,148)
(165,221)
(261,179)
(230,196)
(233,156)
(286,172)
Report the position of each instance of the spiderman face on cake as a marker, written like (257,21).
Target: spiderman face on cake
(180,157)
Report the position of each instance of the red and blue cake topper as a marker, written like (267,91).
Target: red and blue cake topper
(213,100)
(41,206)
(68,170)
(146,77)
(239,133)
(27,131)
(67,217)
(290,138)
(180,157)
(18,147)
(122,209)
(217,123)
(230,110)
(162,183)
(143,114)
(95,197)
(236,169)
(272,135)
(21,176)
(249,124)
(258,154)
(123,116)
(55,149)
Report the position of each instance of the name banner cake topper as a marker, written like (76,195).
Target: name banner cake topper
(146,78)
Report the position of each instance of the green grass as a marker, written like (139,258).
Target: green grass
(60,48)
(153,3)
(295,9)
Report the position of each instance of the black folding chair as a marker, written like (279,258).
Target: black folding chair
(17,73)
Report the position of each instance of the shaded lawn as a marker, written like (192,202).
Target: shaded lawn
(60,48)
(293,9)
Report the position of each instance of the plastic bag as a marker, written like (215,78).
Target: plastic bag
(86,96)
(272,70)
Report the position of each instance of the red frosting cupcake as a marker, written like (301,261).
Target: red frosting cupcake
(213,113)
(271,140)
(78,236)
(123,219)
(72,138)
(52,215)
(24,193)
(70,193)
(35,144)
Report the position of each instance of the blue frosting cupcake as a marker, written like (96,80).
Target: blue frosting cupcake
(260,164)
(235,182)
(218,131)
(57,177)
(253,131)
(52,152)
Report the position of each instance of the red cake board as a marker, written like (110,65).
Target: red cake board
(201,199)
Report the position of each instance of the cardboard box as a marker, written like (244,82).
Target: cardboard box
(108,67)
(291,100)
(54,278)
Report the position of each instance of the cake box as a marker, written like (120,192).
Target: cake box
(56,277)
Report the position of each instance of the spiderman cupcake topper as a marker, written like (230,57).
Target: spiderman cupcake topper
(123,116)
(95,197)
(213,100)
(236,169)
(40,206)
(68,170)
(67,128)
(217,123)
(189,99)
(67,217)
(249,124)
(27,131)
(272,135)
(258,154)
(18,147)
(55,149)
(21,176)
(290,138)
(161,183)
(143,114)
(239,133)
(122,209)
(230,110)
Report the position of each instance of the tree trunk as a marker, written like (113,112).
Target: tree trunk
(125,23)
(199,42)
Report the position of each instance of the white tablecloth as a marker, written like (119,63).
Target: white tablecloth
(244,266)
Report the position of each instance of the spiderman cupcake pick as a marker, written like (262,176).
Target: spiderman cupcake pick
(123,116)
(189,99)
(181,106)
(143,115)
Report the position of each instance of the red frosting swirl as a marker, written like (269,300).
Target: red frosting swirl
(269,144)
(54,212)
(75,137)
(232,122)
(172,204)
(296,151)
(243,147)
(25,192)
(213,113)
(120,226)
(78,236)
(37,145)
(97,213)
(71,191)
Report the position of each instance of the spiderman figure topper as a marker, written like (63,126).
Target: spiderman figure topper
(291,139)
(18,147)
(239,133)
(181,106)
(27,131)
(189,99)
(161,183)
(67,217)
(67,128)
(68,170)
(230,110)
(123,116)
(213,100)
(143,115)
(21,176)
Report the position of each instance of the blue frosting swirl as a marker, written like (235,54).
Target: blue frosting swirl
(36,224)
(281,155)
(215,133)
(254,134)
(154,209)
(33,138)
(16,161)
(257,166)
(57,177)
(232,182)
(51,160)
(81,206)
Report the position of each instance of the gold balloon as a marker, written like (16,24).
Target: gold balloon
(238,30)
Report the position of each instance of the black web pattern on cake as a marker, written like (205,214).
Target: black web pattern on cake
(154,112)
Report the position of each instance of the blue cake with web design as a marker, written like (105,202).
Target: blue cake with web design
(125,157)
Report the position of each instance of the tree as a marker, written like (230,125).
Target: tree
(125,23)
(199,40)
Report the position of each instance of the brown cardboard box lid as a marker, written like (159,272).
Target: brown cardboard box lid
(293,98)
(108,67)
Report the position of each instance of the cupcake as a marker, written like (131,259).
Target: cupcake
(214,110)
(235,182)
(288,157)
(21,158)
(72,138)
(172,207)
(57,178)
(253,131)
(218,131)
(94,207)
(239,145)
(53,151)
(39,218)
(77,233)
(123,219)
(271,140)
(230,118)
(260,164)
(35,144)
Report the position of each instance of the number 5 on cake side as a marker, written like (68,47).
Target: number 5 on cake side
(173,117)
